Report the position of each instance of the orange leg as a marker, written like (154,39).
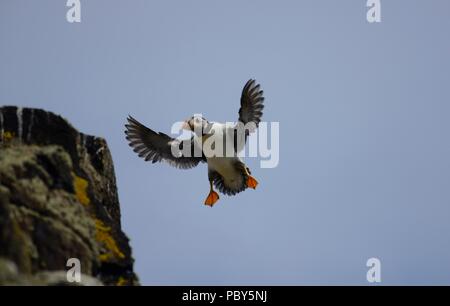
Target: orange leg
(212,197)
(251,181)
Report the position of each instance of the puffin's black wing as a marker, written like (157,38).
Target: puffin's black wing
(156,147)
(251,103)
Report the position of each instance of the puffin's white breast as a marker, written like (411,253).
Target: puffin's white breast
(225,166)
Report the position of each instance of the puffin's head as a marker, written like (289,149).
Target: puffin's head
(196,124)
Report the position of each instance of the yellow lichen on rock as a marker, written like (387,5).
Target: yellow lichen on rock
(104,237)
(80,185)
(7,136)
(121,281)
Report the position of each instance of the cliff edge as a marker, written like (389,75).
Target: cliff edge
(58,200)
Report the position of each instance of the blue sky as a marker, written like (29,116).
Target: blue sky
(363,110)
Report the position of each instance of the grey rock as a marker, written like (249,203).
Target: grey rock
(58,200)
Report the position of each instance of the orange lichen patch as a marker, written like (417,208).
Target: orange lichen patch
(103,236)
(80,185)
(7,136)
(121,281)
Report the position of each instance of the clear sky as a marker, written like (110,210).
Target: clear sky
(364,129)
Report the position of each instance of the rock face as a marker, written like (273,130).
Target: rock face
(58,200)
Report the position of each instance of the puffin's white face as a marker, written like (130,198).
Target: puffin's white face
(195,123)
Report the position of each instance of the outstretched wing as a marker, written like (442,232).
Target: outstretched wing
(251,103)
(155,147)
(250,112)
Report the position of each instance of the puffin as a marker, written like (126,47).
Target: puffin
(226,170)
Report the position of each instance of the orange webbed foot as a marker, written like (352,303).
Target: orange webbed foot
(212,198)
(251,182)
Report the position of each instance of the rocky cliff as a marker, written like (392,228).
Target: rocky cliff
(58,200)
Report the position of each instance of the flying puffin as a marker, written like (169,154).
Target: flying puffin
(226,172)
